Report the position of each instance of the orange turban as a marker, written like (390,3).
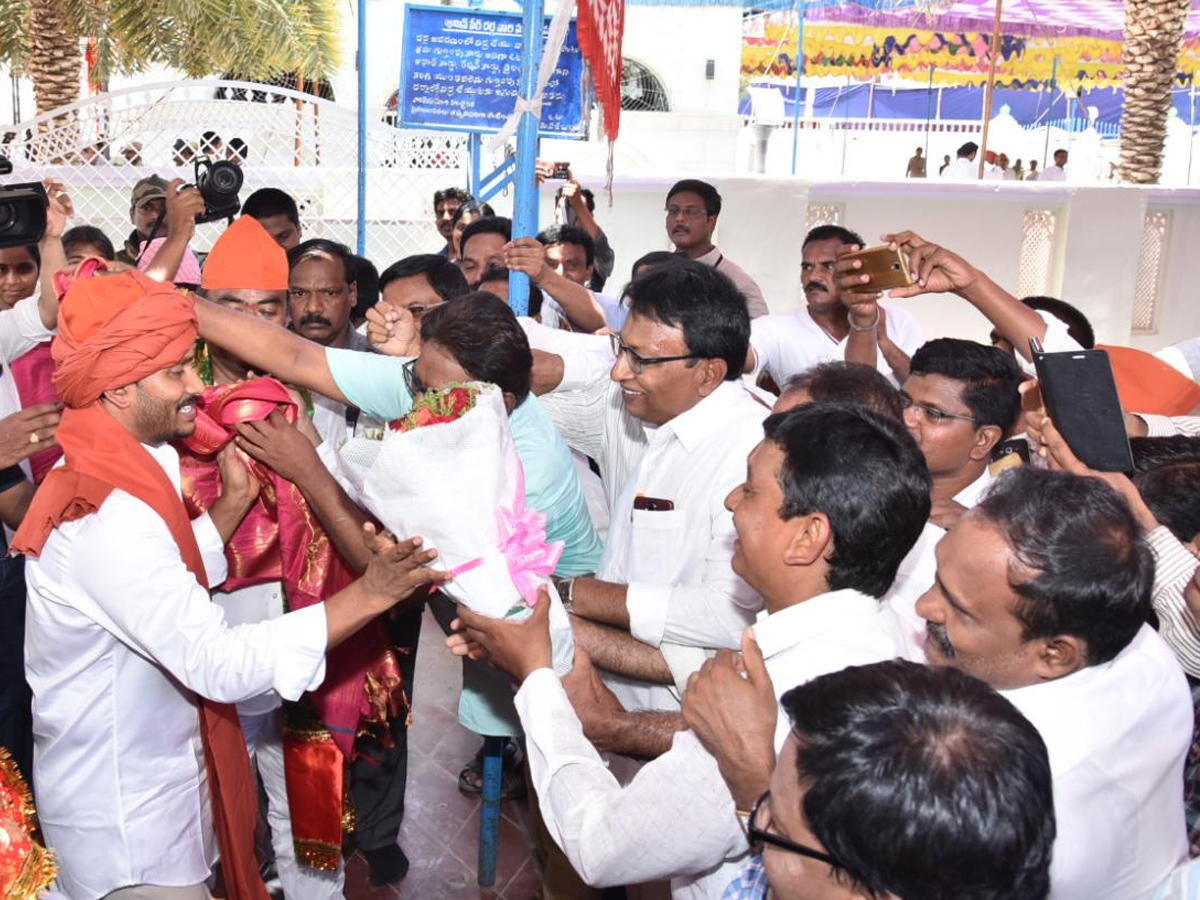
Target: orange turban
(246,258)
(114,330)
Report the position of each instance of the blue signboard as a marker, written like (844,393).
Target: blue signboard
(461,70)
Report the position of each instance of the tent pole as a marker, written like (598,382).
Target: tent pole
(801,6)
(928,113)
(991,84)
(1191,132)
(1050,111)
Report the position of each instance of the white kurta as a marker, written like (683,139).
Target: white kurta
(120,638)
(1117,735)
(677,817)
(785,344)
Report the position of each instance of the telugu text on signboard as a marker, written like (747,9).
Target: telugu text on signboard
(461,70)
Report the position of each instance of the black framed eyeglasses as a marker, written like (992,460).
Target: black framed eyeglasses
(637,364)
(759,836)
(414,384)
(932,414)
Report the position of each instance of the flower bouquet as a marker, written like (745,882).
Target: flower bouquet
(449,472)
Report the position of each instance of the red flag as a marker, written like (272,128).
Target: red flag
(601,24)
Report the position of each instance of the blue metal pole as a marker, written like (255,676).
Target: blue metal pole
(525,212)
(475,149)
(801,7)
(362,127)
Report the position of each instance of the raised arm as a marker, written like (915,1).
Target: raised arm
(58,210)
(268,348)
(182,208)
(529,256)
(937,270)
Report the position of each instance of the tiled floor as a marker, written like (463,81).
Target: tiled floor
(440,834)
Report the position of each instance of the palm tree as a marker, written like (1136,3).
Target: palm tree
(1153,35)
(250,39)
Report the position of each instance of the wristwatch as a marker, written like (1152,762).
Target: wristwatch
(566,591)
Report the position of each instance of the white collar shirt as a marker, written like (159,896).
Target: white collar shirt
(1117,735)
(785,344)
(1054,173)
(677,561)
(677,819)
(337,423)
(120,638)
(962,169)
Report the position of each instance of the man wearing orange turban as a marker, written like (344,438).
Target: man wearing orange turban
(281,557)
(139,755)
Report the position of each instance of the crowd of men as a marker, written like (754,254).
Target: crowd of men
(851,618)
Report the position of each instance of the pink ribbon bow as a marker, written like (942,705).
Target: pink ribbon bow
(524,546)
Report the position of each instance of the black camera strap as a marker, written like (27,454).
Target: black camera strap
(153,233)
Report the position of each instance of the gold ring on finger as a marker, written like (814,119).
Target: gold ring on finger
(33,437)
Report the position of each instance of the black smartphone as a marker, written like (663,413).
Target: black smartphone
(1082,401)
(1009,455)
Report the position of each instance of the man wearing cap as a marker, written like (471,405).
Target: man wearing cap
(279,550)
(161,209)
(139,758)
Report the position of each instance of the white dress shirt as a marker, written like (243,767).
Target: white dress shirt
(677,818)
(677,562)
(120,638)
(755,304)
(785,344)
(918,569)
(962,169)
(1053,173)
(336,423)
(1117,735)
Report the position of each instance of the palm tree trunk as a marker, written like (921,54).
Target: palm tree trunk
(55,59)
(1153,35)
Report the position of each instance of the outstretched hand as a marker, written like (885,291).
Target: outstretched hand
(396,569)
(518,648)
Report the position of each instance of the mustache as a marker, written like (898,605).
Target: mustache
(315,319)
(816,286)
(193,400)
(937,633)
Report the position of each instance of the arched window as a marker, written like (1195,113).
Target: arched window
(641,90)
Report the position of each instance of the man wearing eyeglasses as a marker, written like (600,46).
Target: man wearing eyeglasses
(832,499)
(898,780)
(669,425)
(960,400)
(692,210)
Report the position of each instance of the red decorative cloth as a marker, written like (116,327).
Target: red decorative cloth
(601,24)
(113,331)
(281,540)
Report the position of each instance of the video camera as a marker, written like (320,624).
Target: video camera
(22,211)
(218,183)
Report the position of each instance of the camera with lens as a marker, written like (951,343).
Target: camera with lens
(22,211)
(218,183)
